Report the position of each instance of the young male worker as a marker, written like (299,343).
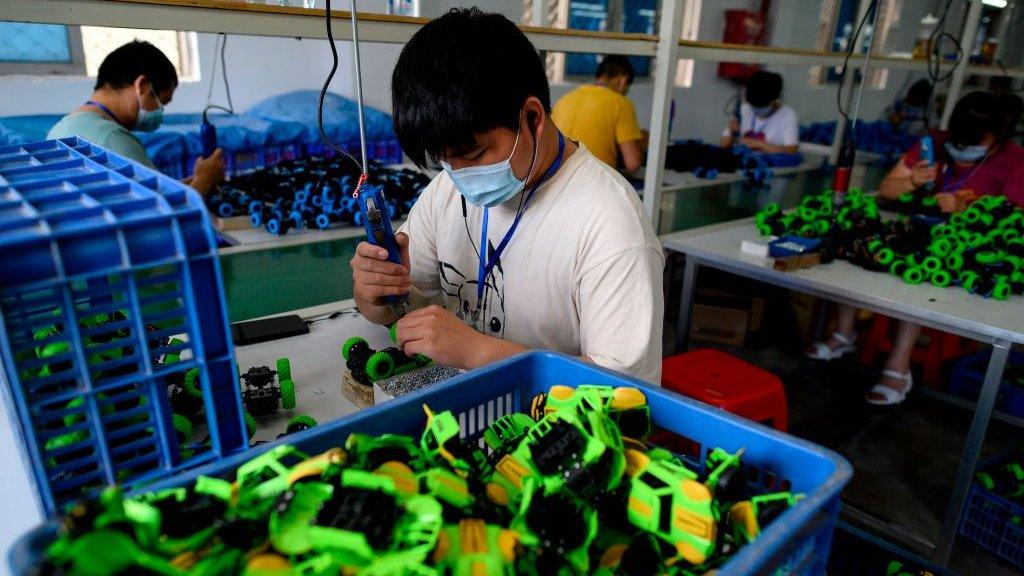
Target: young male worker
(525,240)
(766,124)
(601,117)
(133,85)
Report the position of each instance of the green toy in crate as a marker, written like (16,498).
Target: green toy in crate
(559,494)
(474,547)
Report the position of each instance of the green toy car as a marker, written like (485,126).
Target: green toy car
(473,547)
(666,500)
(368,365)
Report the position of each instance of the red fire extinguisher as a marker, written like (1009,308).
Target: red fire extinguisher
(743,27)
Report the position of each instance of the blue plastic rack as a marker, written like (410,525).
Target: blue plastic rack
(108,270)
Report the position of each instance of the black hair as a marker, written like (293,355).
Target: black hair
(137,58)
(974,116)
(920,92)
(613,66)
(763,88)
(463,73)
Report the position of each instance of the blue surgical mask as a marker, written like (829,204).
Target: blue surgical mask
(490,185)
(967,154)
(149,120)
(761,111)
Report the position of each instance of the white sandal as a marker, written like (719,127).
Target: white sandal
(890,396)
(822,351)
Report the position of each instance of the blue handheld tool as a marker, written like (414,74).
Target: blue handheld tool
(377,222)
(928,155)
(208,137)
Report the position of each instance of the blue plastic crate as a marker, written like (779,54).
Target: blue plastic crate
(86,234)
(796,543)
(988,520)
(969,374)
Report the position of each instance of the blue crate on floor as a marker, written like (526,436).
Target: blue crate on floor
(994,522)
(969,374)
(796,543)
(103,262)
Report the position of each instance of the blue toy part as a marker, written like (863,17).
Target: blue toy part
(274,226)
(791,246)
(256,219)
(225,210)
(323,221)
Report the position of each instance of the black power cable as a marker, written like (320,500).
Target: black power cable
(849,54)
(327,83)
(222,39)
(934,59)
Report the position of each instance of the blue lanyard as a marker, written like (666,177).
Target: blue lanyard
(948,173)
(487,264)
(102,107)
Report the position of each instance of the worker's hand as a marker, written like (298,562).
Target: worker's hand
(437,333)
(922,174)
(734,126)
(208,172)
(374,276)
(948,203)
(753,143)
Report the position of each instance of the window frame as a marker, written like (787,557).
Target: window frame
(76,67)
(188,55)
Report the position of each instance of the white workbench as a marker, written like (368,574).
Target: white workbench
(674,181)
(953,310)
(316,364)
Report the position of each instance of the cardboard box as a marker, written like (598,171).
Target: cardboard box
(754,305)
(719,324)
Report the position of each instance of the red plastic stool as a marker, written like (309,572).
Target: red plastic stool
(716,378)
(941,349)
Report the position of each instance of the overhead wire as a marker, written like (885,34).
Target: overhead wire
(219,46)
(849,54)
(934,59)
(323,93)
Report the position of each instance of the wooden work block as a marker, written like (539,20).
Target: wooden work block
(232,223)
(359,394)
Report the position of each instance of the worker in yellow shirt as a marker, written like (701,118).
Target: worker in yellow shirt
(601,117)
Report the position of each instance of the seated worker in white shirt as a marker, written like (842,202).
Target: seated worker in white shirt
(766,124)
(569,260)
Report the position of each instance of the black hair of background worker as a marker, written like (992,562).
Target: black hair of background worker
(581,273)
(975,158)
(766,123)
(133,85)
(600,116)
(907,113)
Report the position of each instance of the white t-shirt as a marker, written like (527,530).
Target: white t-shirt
(781,128)
(582,273)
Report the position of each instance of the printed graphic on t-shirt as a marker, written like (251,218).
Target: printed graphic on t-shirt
(460,290)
